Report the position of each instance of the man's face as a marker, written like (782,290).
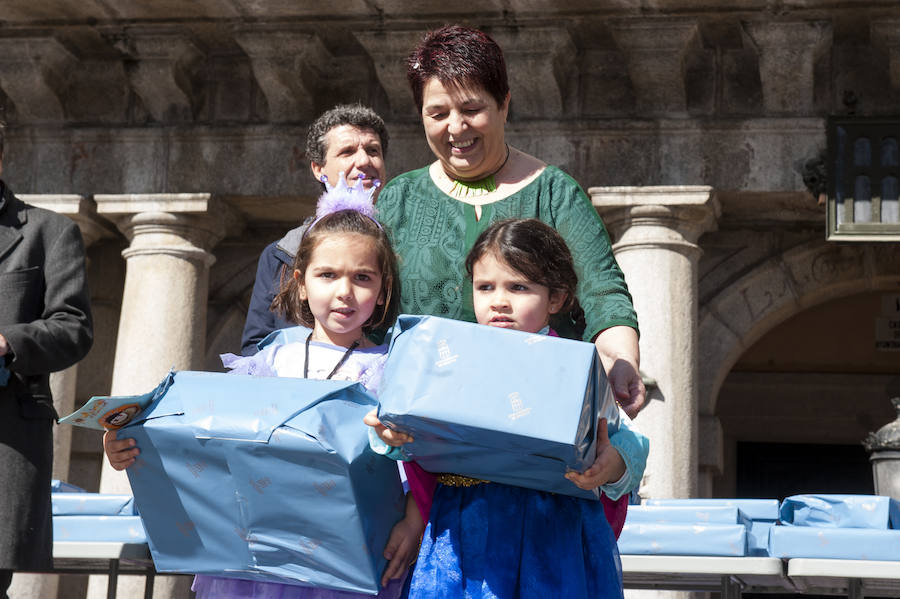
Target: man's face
(354,152)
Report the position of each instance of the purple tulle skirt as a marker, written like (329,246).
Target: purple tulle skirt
(215,587)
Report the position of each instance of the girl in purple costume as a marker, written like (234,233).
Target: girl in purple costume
(344,285)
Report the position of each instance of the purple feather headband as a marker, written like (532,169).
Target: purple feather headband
(344,197)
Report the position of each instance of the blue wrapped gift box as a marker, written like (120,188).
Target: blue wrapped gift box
(59,486)
(495,404)
(763,514)
(121,529)
(755,509)
(264,478)
(834,543)
(656,514)
(728,540)
(92,504)
(841,511)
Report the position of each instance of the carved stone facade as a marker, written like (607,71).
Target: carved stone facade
(181,127)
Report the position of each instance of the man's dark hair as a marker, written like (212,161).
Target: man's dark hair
(356,115)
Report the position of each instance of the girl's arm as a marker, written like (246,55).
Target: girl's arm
(620,462)
(403,544)
(620,355)
(120,453)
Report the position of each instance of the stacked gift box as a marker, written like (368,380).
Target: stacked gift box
(863,527)
(94,517)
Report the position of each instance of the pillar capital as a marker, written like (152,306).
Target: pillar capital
(184,225)
(672,217)
(80,209)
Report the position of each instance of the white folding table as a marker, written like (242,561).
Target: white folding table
(731,576)
(853,578)
(110,558)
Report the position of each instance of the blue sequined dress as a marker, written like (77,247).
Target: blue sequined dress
(493,541)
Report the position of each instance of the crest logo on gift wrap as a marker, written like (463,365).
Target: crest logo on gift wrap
(260,484)
(264,411)
(197,468)
(446,357)
(325,487)
(307,545)
(518,406)
(186,528)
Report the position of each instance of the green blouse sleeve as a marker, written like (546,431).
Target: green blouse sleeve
(601,290)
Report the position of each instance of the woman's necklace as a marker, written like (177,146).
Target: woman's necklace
(340,363)
(472,189)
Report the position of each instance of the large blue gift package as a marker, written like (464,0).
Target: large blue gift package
(495,404)
(841,511)
(263,478)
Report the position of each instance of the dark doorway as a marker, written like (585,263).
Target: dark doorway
(778,470)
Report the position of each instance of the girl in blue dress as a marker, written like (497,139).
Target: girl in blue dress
(486,540)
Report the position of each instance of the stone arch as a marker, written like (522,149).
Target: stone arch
(778,288)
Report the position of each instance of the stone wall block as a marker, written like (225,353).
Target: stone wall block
(389,50)
(655,52)
(287,66)
(719,346)
(99,92)
(606,88)
(788,52)
(541,66)
(711,455)
(164,71)
(886,33)
(824,271)
(35,73)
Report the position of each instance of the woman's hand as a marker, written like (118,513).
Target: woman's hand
(608,466)
(621,358)
(392,438)
(403,545)
(120,453)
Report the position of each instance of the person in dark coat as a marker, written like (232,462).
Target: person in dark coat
(45,326)
(349,139)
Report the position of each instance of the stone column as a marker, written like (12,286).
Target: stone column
(163,320)
(655,231)
(62,383)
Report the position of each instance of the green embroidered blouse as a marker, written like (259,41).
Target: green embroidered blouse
(432,233)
